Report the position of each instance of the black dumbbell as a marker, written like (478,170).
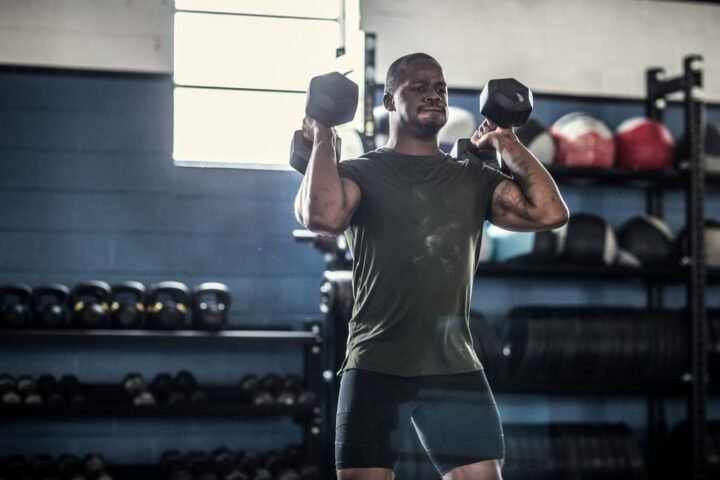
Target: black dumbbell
(162,387)
(90,304)
(248,460)
(127,308)
(69,387)
(505,102)
(8,391)
(69,467)
(15,305)
(332,100)
(49,390)
(27,387)
(271,382)
(50,306)
(167,305)
(211,305)
(249,384)
(93,466)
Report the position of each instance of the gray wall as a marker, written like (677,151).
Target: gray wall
(556,46)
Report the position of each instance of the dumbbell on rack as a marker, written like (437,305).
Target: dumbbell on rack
(90,303)
(168,305)
(211,305)
(332,100)
(15,305)
(227,464)
(50,306)
(271,389)
(127,305)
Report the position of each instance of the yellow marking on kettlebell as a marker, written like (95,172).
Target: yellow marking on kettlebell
(104,306)
(79,306)
(140,307)
(181,307)
(115,306)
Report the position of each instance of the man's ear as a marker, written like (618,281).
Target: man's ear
(389,102)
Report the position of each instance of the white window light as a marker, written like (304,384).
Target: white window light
(241,78)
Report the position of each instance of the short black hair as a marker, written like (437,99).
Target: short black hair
(396,72)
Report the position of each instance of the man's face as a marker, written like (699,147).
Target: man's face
(421,99)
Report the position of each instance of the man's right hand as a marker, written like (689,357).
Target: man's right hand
(313,129)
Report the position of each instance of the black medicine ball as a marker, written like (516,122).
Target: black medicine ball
(649,239)
(587,240)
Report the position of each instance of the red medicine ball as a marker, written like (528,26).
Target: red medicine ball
(583,141)
(644,143)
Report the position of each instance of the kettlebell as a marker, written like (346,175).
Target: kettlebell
(15,305)
(50,305)
(90,304)
(127,305)
(211,304)
(167,305)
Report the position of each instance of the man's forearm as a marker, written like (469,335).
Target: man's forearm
(321,190)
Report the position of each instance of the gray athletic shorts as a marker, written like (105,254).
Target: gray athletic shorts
(455,417)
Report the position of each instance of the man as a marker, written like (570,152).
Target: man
(413,217)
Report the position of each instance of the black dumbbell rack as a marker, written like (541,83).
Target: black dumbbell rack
(107,401)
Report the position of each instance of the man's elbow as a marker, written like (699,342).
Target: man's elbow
(324,224)
(556,218)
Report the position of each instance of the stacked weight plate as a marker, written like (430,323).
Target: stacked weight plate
(572,451)
(612,347)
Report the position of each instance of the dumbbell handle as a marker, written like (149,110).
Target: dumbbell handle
(301,149)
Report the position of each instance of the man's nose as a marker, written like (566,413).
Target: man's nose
(433,96)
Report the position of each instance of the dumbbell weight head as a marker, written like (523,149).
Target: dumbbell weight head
(301,148)
(7,383)
(134,384)
(249,384)
(127,306)
(506,102)
(223,460)
(49,388)
(332,100)
(167,305)
(185,381)
(162,387)
(9,394)
(271,382)
(69,386)
(15,305)
(211,305)
(93,466)
(50,306)
(90,303)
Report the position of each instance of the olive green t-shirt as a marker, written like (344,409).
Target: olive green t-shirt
(415,240)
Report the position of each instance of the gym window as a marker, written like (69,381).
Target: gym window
(241,69)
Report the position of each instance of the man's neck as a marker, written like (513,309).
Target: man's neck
(413,146)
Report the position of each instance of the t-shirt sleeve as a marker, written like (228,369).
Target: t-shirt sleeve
(349,169)
(488,179)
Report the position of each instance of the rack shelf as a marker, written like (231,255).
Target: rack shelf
(560,271)
(625,177)
(206,410)
(174,337)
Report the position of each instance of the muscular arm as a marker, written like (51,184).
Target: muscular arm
(532,200)
(325,201)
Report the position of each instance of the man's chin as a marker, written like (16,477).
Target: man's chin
(431,129)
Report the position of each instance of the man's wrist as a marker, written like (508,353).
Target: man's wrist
(323,134)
